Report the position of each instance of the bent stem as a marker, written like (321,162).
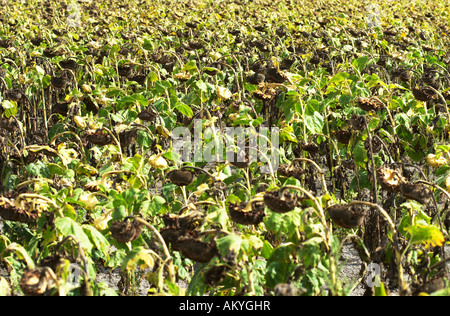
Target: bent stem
(442,99)
(107,174)
(169,261)
(37,196)
(119,147)
(52,142)
(338,156)
(248,207)
(319,170)
(398,254)
(269,161)
(189,206)
(320,212)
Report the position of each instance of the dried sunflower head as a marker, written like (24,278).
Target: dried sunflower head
(370,104)
(390,179)
(347,216)
(418,192)
(36,282)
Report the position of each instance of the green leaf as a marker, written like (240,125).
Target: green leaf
(148,45)
(315,123)
(114,92)
(373,81)
(155,206)
(258,121)
(130,196)
(46,81)
(153,76)
(197,286)
(230,243)
(185,110)
(104,290)
(172,156)
(443,292)
(277,272)
(67,226)
(38,169)
(252,242)
(162,85)
(381,290)
(360,153)
(286,223)
(168,190)
(131,100)
(339,78)
(267,250)
(415,155)
(190,66)
(119,211)
(360,63)
(99,241)
(116,258)
(310,252)
(55,169)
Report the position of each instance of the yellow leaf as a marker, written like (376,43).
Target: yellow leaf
(79,121)
(86,88)
(158,162)
(163,131)
(89,200)
(201,188)
(223,93)
(101,222)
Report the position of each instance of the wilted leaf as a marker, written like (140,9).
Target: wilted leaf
(67,226)
(230,243)
(138,257)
